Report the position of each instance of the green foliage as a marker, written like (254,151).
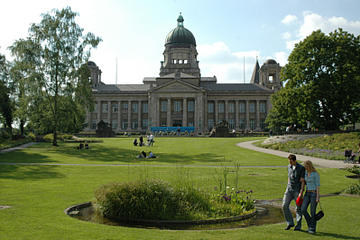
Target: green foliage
(6,105)
(353,189)
(326,146)
(322,83)
(53,59)
(149,200)
(354,169)
(50,137)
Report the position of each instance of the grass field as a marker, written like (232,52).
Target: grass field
(38,194)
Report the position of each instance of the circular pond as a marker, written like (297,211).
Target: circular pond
(265,213)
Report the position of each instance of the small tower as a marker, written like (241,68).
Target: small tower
(180,53)
(95,74)
(269,75)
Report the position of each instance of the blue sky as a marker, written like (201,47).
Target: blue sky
(226,31)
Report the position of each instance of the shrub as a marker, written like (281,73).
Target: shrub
(48,137)
(355,169)
(353,189)
(31,136)
(149,200)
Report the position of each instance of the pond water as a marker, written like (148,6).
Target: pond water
(267,214)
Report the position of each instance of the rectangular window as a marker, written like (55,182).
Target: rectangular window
(231,106)
(114,124)
(252,107)
(134,107)
(163,106)
(114,107)
(96,108)
(134,124)
(252,124)
(104,108)
(144,107)
(210,123)
(190,124)
(124,124)
(232,123)
(221,107)
(242,123)
(177,106)
(242,107)
(163,122)
(262,107)
(210,107)
(125,106)
(191,106)
(262,123)
(93,124)
(144,123)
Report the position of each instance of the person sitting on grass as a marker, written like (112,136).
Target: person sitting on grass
(86,145)
(135,142)
(151,155)
(142,155)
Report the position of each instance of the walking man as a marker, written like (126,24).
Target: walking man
(295,188)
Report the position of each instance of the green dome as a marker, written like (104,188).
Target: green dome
(180,35)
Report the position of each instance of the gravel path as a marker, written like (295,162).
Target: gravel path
(317,161)
(18,147)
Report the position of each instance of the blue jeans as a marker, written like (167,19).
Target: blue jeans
(290,195)
(309,198)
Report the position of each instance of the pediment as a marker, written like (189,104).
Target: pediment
(176,86)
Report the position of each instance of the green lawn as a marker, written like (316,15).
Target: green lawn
(38,195)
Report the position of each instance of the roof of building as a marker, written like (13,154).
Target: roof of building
(233,87)
(255,78)
(117,88)
(270,61)
(180,35)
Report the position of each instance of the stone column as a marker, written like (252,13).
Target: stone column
(227,110)
(184,124)
(129,115)
(206,127)
(216,112)
(200,110)
(247,115)
(237,124)
(168,113)
(119,115)
(257,114)
(139,115)
(98,112)
(157,111)
(109,112)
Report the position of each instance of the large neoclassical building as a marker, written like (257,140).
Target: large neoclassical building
(181,97)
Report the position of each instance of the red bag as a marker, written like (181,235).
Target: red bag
(299,200)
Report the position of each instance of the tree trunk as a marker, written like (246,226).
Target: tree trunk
(22,123)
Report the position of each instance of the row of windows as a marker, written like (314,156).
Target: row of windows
(231,106)
(242,123)
(124,107)
(177,106)
(180,61)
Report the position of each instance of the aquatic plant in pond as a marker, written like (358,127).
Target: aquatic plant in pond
(158,200)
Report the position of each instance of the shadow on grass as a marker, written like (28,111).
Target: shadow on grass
(21,172)
(117,154)
(334,235)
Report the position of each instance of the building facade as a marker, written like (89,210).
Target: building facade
(181,97)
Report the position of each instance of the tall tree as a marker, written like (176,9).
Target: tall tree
(6,108)
(323,77)
(60,48)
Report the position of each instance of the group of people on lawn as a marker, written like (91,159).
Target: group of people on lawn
(150,141)
(299,178)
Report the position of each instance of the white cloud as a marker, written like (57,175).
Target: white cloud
(286,35)
(313,22)
(289,19)
(281,58)
(228,66)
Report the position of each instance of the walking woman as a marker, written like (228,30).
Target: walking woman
(312,195)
